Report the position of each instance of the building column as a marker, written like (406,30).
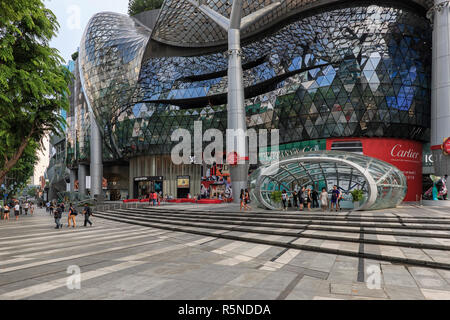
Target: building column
(440,96)
(236,116)
(96,166)
(82,169)
(73,177)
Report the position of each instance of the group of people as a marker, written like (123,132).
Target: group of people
(307,197)
(18,208)
(58,211)
(155,198)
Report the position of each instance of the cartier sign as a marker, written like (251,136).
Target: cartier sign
(405,153)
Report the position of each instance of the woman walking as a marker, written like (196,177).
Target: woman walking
(6,210)
(308,198)
(324,199)
(247,200)
(72,216)
(242,198)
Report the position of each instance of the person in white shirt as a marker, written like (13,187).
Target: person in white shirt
(16,210)
(25,206)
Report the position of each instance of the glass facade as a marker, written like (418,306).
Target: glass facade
(344,71)
(383,185)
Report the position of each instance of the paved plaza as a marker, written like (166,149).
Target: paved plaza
(125,256)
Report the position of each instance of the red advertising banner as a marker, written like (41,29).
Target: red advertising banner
(404,154)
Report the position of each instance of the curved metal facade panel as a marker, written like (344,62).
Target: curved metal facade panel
(110,58)
(356,71)
(180,24)
(383,185)
(348,72)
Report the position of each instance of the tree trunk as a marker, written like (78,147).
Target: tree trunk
(10,163)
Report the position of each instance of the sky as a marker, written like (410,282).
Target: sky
(73,16)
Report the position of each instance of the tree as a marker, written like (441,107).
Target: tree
(75,56)
(138,6)
(33,82)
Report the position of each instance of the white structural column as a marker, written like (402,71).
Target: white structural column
(440,97)
(82,169)
(237,137)
(96,167)
(237,126)
(73,177)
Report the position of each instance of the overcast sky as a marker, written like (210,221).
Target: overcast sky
(73,16)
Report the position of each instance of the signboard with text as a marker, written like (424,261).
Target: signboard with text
(404,154)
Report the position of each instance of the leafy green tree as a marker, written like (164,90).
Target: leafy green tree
(33,82)
(75,56)
(138,6)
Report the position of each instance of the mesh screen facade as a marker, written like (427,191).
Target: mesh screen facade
(354,71)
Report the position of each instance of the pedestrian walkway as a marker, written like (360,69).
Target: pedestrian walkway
(125,261)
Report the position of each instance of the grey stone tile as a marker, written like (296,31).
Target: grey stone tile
(397,275)
(403,293)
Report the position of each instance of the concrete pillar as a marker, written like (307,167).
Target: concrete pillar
(237,140)
(73,177)
(96,167)
(440,97)
(82,170)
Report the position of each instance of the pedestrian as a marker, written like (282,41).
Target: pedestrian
(340,197)
(444,180)
(72,216)
(242,198)
(300,197)
(315,197)
(284,199)
(31,208)
(58,215)
(51,208)
(324,199)
(295,198)
(87,213)
(25,207)
(308,198)
(63,207)
(6,210)
(17,210)
(20,207)
(47,207)
(155,198)
(247,199)
(334,198)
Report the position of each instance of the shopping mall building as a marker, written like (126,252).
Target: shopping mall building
(369,77)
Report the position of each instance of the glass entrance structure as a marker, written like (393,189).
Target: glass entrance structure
(383,185)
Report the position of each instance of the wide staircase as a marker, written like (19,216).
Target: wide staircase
(419,241)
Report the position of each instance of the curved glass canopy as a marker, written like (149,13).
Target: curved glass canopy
(383,185)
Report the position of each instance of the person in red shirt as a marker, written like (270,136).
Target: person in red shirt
(155,198)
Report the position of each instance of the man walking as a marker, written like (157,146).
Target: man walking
(25,207)
(17,210)
(87,213)
(58,216)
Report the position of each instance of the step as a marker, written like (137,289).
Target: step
(330,247)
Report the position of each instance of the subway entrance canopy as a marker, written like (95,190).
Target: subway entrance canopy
(383,185)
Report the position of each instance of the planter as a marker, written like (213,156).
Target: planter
(356,205)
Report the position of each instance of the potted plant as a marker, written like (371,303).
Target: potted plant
(357,196)
(276,197)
